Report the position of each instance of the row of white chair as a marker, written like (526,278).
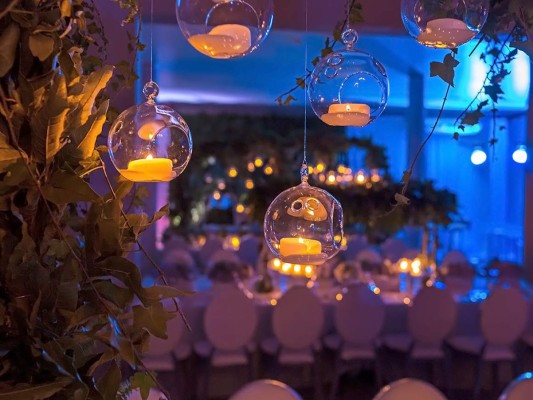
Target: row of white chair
(404,389)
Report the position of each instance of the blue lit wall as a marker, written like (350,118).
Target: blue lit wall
(490,196)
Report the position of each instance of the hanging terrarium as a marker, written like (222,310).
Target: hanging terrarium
(150,142)
(348,87)
(444,23)
(225,28)
(304,225)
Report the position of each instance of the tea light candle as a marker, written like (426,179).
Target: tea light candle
(223,41)
(299,247)
(348,114)
(149,169)
(445,33)
(415,268)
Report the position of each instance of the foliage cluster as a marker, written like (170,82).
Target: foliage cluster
(73,311)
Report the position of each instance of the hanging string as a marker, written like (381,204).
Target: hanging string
(151,40)
(304,170)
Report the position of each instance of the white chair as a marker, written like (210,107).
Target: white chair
(503,321)
(211,246)
(153,395)
(425,341)
(223,256)
(359,318)
(519,389)
(266,389)
(354,245)
(409,389)
(369,256)
(297,323)
(230,322)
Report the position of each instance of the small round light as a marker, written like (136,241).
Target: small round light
(239,208)
(232,172)
(478,157)
(520,155)
(216,195)
(258,162)
(249,184)
(268,170)
(251,167)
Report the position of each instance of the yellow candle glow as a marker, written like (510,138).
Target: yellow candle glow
(415,268)
(149,170)
(223,41)
(347,114)
(299,247)
(404,265)
(150,129)
(445,33)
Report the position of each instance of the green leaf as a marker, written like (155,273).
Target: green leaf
(153,318)
(65,187)
(67,296)
(456,136)
(53,352)
(288,100)
(83,139)
(8,154)
(124,270)
(143,382)
(8,47)
(526,47)
(96,82)
(493,91)
(41,45)
(48,123)
(472,118)
(444,70)
(109,382)
(401,199)
(121,297)
(300,82)
(36,392)
(83,314)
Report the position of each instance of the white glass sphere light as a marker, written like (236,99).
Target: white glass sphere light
(520,155)
(444,24)
(225,28)
(150,142)
(348,87)
(304,225)
(478,156)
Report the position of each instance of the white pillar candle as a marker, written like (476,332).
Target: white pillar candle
(223,41)
(445,33)
(149,170)
(347,114)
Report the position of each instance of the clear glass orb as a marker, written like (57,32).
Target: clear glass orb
(225,28)
(304,225)
(444,24)
(150,142)
(348,87)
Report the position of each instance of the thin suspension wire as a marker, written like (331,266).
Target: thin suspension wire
(305,86)
(151,40)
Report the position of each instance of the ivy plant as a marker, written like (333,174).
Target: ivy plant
(73,311)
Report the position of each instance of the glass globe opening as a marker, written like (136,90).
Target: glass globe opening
(444,23)
(303,225)
(225,28)
(150,142)
(348,87)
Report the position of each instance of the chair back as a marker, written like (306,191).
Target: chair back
(504,316)
(519,389)
(266,389)
(360,315)
(409,389)
(230,320)
(298,318)
(153,395)
(354,245)
(211,246)
(423,326)
(223,256)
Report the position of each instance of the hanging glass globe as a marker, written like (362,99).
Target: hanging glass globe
(303,225)
(150,142)
(444,23)
(225,28)
(348,87)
